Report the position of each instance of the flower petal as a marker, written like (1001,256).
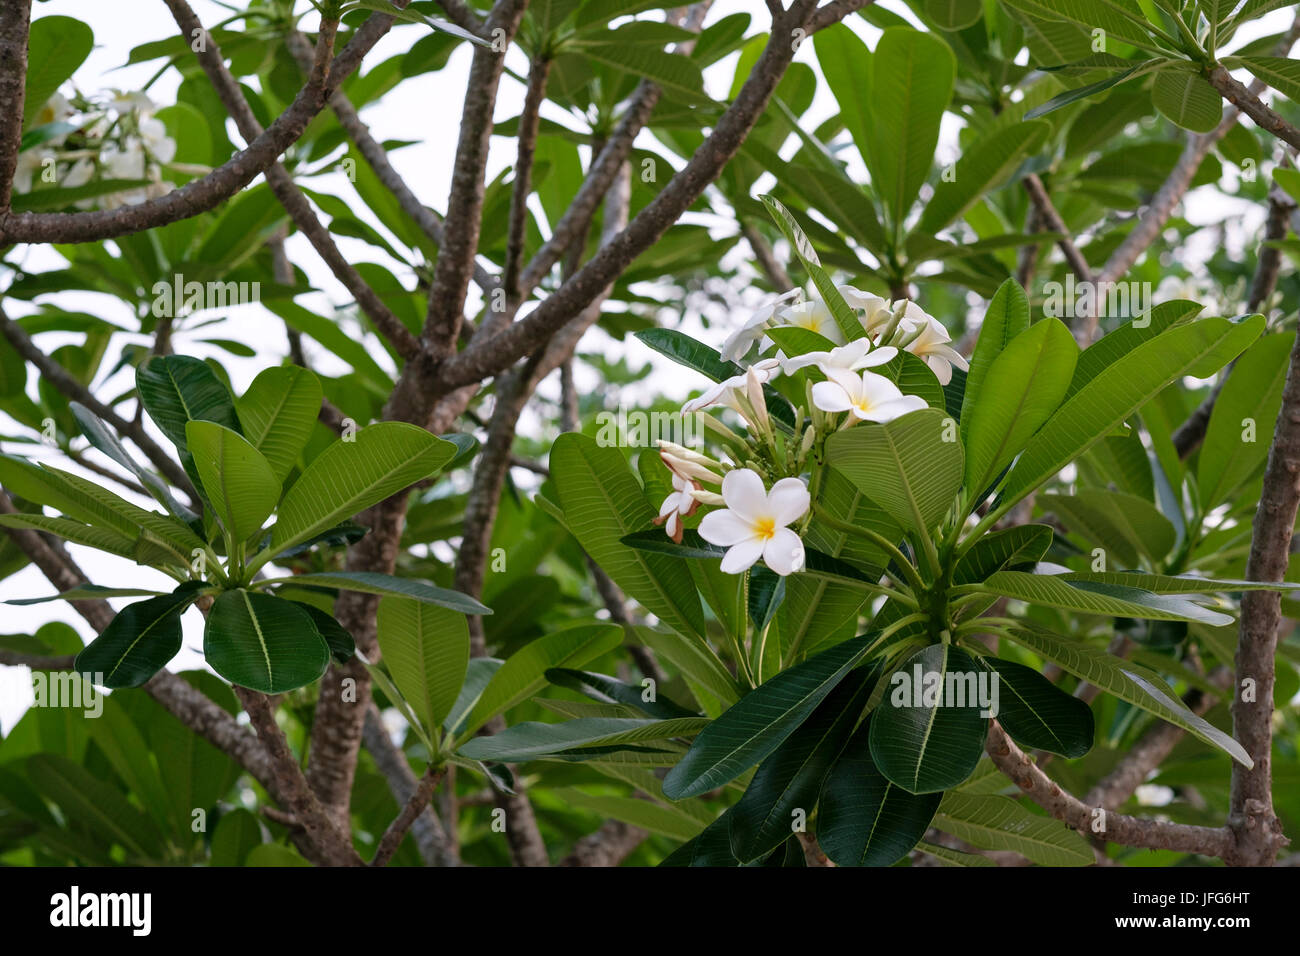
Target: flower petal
(741,556)
(829,397)
(725,528)
(788,501)
(783,552)
(876,357)
(743,491)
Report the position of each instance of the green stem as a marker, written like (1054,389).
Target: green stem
(891,549)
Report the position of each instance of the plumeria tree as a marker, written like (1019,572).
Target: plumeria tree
(970,543)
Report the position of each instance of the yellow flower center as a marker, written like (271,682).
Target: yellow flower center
(863,405)
(765,528)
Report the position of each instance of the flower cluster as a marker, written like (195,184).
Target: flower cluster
(80,140)
(840,389)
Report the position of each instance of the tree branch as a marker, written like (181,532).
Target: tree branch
(503,348)
(430,838)
(1251,818)
(1119,828)
(54,373)
(216,187)
(529,119)
(465,204)
(15,23)
(415,805)
(1188,436)
(286,191)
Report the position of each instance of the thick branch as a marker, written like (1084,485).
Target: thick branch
(15,21)
(1258,832)
(282,184)
(500,350)
(1248,102)
(216,187)
(1126,830)
(330,846)
(465,204)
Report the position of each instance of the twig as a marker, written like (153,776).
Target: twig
(56,375)
(417,804)
(529,119)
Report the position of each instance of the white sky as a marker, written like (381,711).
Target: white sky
(424,108)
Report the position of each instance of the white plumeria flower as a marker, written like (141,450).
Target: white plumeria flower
(723,392)
(125,103)
(154,136)
(869,397)
(678,505)
(80,173)
(813,316)
(932,347)
(688,468)
(857,355)
(876,311)
(739,341)
(125,164)
(754,523)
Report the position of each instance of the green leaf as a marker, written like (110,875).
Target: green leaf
(1088,597)
(278,413)
(1126,526)
(791,778)
(983,166)
(1129,682)
(426,649)
(1279,72)
(1038,714)
(950,857)
(1116,344)
(997,823)
(178,389)
(1005,318)
(671,822)
(56,46)
(139,641)
(928,732)
(94,804)
(530,740)
(612,690)
(1250,399)
(846,64)
(755,726)
(237,833)
(911,83)
(846,319)
(695,659)
(101,539)
(1032,374)
(678,76)
(372,582)
(263,643)
(1008,548)
(1118,391)
(238,480)
(88,592)
(523,674)
(905,466)
(954,14)
(864,819)
(340,642)
(1083,92)
(350,476)
(1187,99)
(693,354)
(602,502)
(1175,584)
(99,435)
